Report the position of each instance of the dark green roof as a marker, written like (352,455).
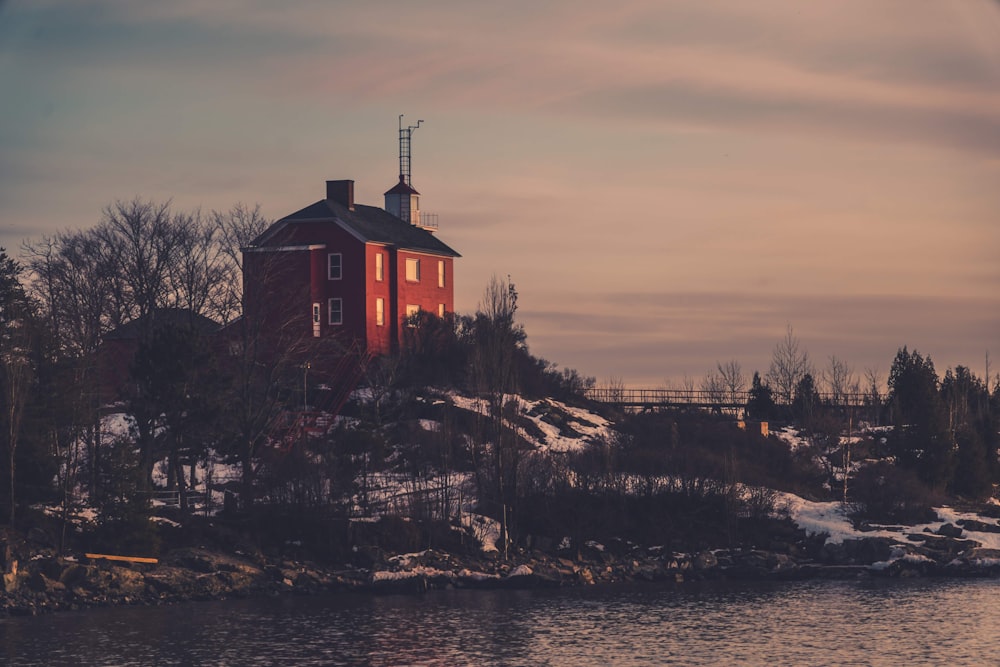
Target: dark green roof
(369,223)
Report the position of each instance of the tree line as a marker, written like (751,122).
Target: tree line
(190,396)
(193,398)
(945,430)
(56,310)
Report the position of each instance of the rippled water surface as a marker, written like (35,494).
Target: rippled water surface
(925,622)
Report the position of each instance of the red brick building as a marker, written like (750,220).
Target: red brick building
(355,272)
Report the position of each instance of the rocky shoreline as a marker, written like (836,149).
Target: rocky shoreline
(45,583)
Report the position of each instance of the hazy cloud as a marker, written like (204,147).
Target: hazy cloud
(668,183)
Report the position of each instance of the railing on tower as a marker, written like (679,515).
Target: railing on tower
(426,220)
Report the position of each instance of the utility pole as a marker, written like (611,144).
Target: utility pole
(305,386)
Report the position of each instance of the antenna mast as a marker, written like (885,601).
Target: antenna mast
(404,148)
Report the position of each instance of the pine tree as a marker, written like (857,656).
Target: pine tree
(760,404)
(17,370)
(920,439)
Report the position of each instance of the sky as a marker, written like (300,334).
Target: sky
(668,184)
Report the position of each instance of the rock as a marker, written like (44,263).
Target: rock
(72,573)
(872,549)
(833,554)
(978,526)
(199,560)
(10,579)
(705,560)
(39,583)
(647,573)
(949,530)
(981,553)
(942,548)
(777,561)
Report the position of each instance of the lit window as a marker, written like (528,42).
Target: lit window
(440,310)
(336,307)
(411,314)
(334,266)
(380,311)
(413,270)
(440,273)
(379,266)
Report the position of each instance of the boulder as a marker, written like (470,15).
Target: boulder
(978,526)
(39,583)
(949,530)
(705,560)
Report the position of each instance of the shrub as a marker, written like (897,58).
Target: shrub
(885,493)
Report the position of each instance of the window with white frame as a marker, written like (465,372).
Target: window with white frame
(412,270)
(334,266)
(440,273)
(380,311)
(336,311)
(411,314)
(379,266)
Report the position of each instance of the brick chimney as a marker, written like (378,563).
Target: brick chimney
(341,192)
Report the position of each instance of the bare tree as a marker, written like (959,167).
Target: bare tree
(496,339)
(235,229)
(873,388)
(142,239)
(687,386)
(199,271)
(73,281)
(733,379)
(382,376)
(714,387)
(789,364)
(840,380)
(140,258)
(615,387)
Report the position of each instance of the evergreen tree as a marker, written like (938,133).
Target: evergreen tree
(974,428)
(18,370)
(760,404)
(173,399)
(920,439)
(806,401)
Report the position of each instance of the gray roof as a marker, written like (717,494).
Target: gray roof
(368,223)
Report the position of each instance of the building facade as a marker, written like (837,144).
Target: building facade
(357,273)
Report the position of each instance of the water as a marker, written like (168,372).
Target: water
(921,622)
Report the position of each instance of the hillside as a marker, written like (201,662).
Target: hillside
(599,497)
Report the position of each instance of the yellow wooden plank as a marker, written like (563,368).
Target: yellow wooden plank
(130,559)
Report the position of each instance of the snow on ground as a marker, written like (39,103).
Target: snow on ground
(214,473)
(790,436)
(822,517)
(588,425)
(115,424)
(486,530)
(831,518)
(394,493)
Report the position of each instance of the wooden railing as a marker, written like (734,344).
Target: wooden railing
(700,398)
